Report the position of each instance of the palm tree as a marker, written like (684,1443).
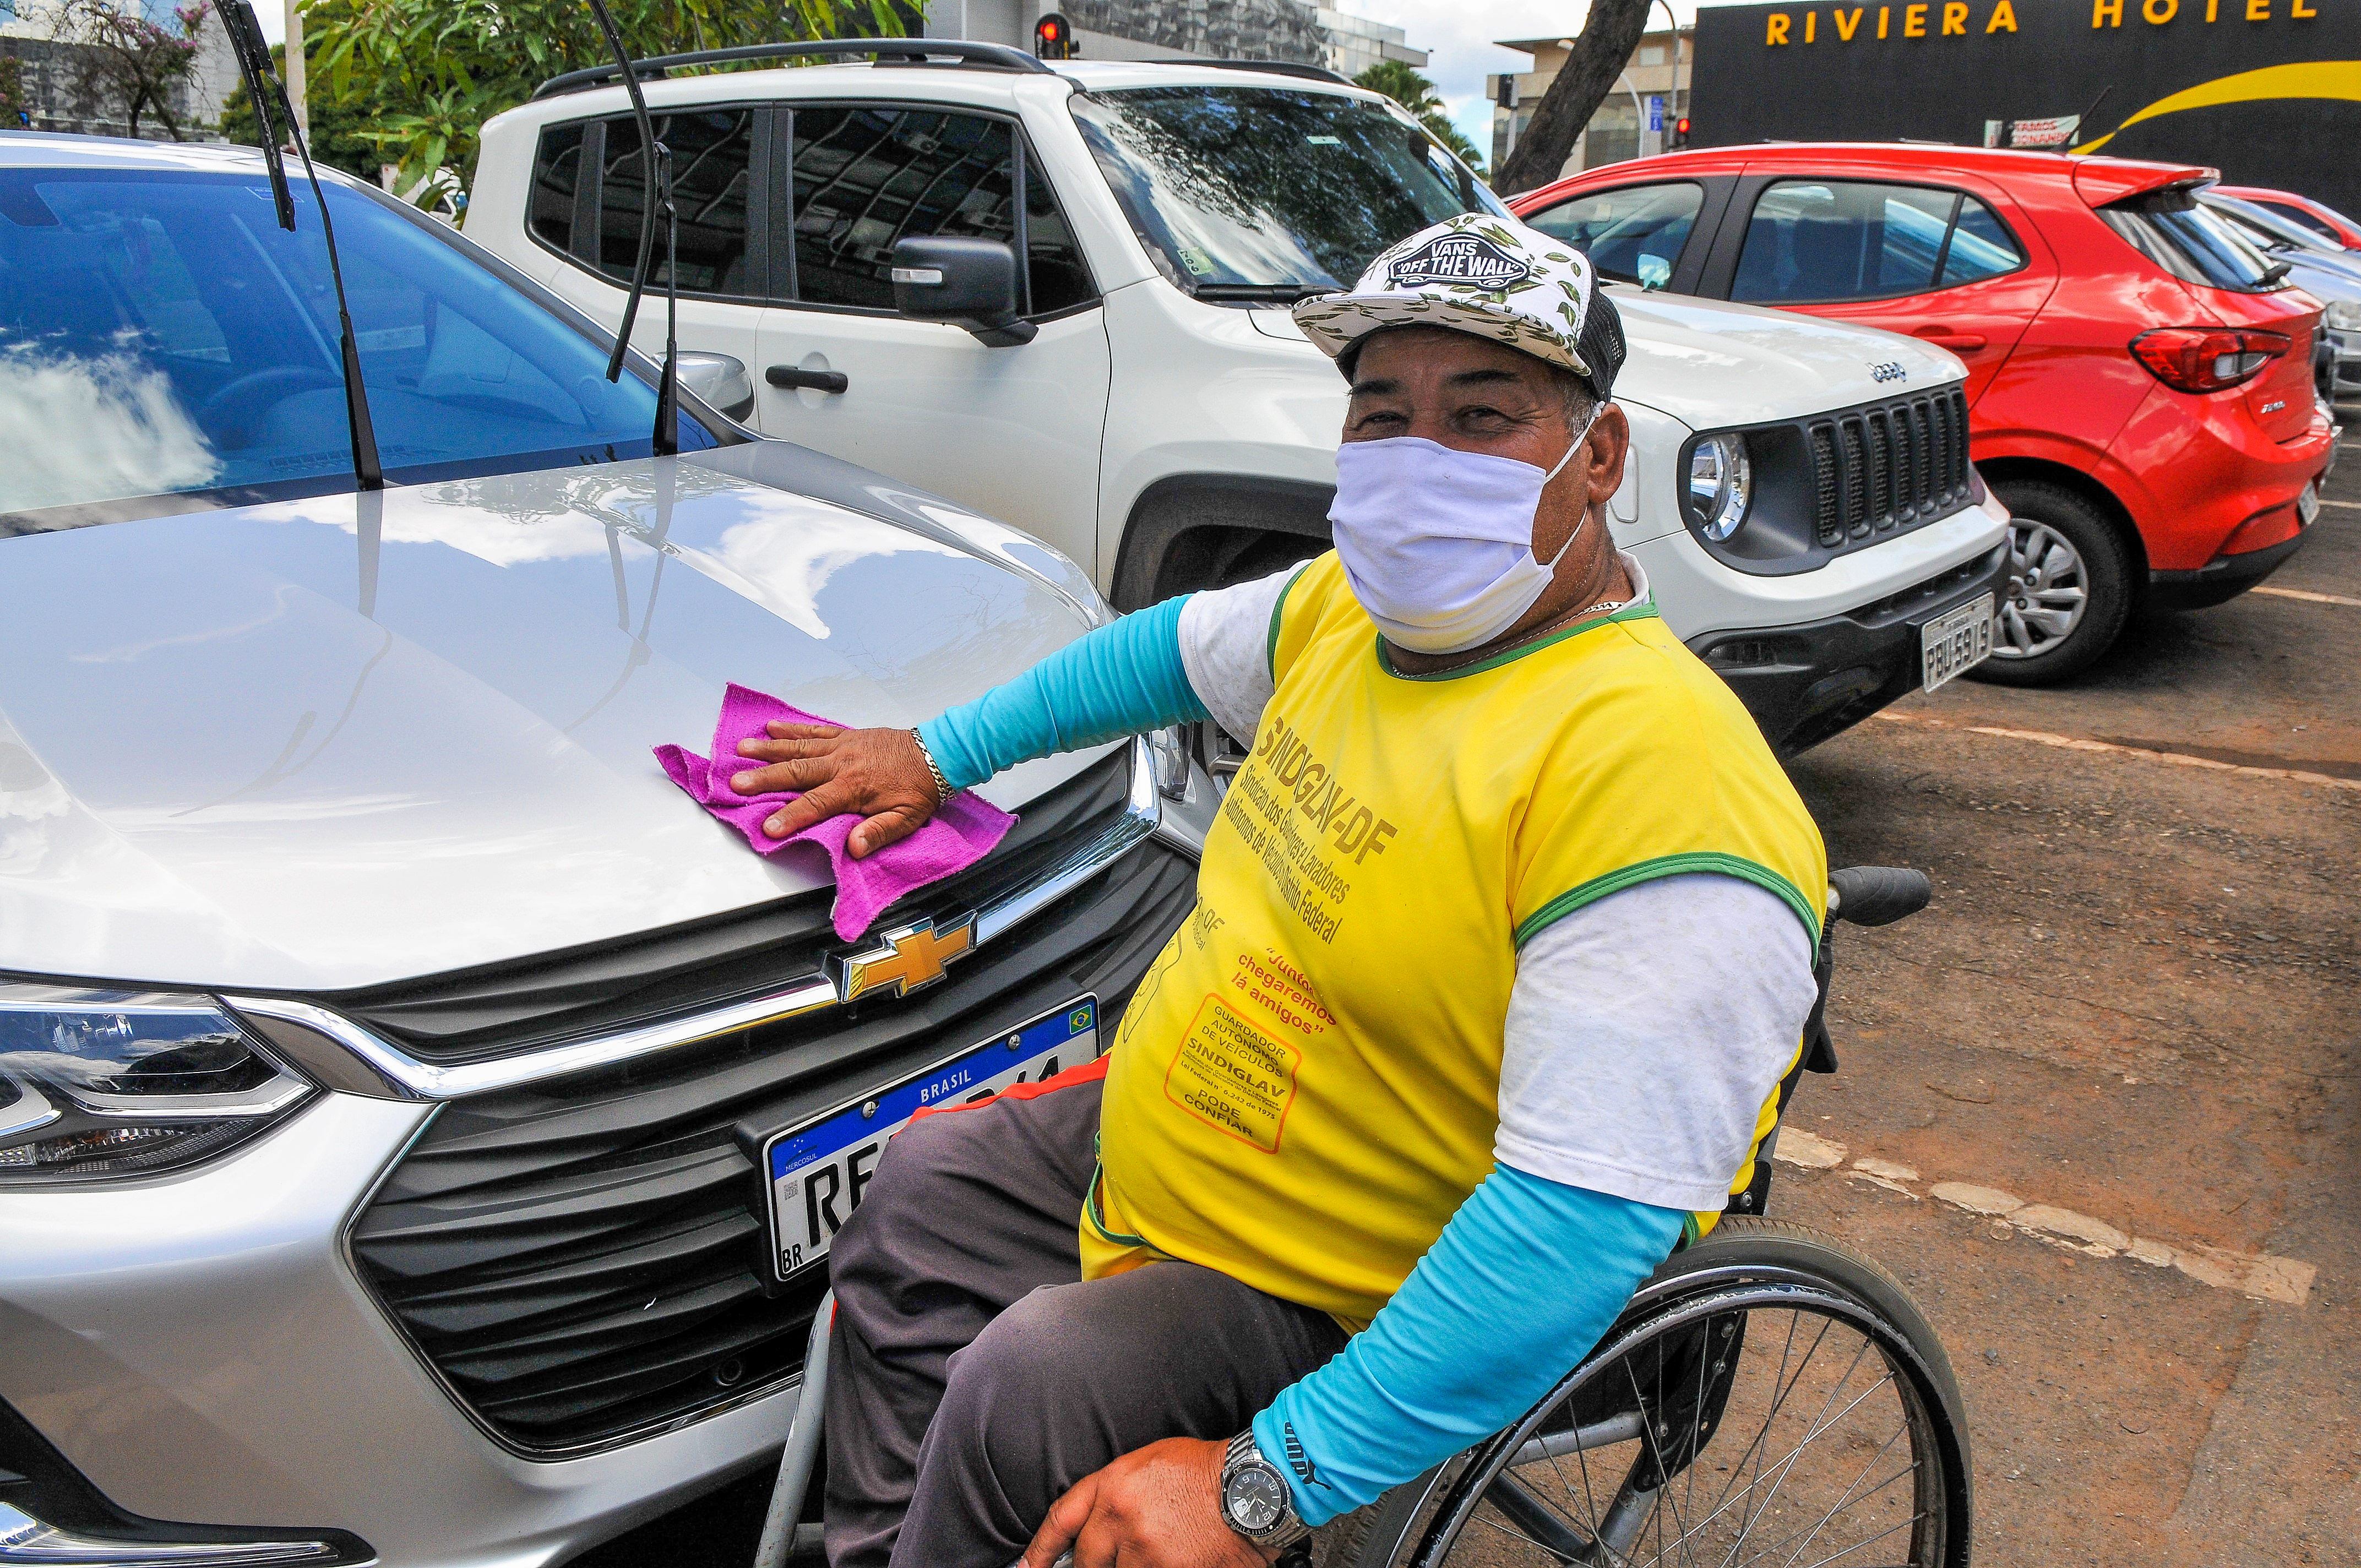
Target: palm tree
(1415,93)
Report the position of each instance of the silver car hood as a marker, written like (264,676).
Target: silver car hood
(331,742)
(1713,365)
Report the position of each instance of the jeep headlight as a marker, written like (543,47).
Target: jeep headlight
(2344,315)
(1721,485)
(99,1084)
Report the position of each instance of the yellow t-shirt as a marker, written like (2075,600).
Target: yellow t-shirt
(1305,1086)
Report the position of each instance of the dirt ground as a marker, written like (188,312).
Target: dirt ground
(2133,999)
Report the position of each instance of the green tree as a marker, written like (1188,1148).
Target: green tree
(125,63)
(339,138)
(16,98)
(428,73)
(1416,93)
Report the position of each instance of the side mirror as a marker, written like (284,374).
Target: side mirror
(966,282)
(720,379)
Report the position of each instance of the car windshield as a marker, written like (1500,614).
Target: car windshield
(160,335)
(1269,192)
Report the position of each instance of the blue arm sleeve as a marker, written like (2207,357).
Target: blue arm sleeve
(1523,1280)
(1121,679)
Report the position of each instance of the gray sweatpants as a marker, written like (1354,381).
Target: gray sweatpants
(974,1375)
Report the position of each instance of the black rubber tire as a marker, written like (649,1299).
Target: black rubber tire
(1372,1537)
(2107,561)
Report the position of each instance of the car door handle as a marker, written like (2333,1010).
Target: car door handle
(1943,337)
(787,376)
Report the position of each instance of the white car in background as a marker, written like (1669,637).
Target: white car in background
(1137,395)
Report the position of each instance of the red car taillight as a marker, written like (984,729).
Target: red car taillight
(2206,359)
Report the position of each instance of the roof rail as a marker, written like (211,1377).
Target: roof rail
(899,52)
(1276,67)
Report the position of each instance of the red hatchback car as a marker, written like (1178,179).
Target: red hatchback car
(2139,378)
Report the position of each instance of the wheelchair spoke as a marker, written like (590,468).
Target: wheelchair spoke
(1812,1430)
(1828,1453)
(1529,1540)
(1803,1534)
(1779,1382)
(1845,1497)
(1516,1500)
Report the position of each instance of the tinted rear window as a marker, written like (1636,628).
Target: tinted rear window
(2193,244)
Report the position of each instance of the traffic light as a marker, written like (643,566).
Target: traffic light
(1679,134)
(1053,38)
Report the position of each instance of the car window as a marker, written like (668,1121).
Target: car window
(2298,216)
(2252,232)
(1635,234)
(1828,240)
(712,154)
(2192,242)
(160,333)
(1054,267)
(1981,245)
(1238,192)
(556,177)
(864,177)
(867,177)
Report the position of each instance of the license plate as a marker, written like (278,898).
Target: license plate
(1957,639)
(2307,505)
(817,1171)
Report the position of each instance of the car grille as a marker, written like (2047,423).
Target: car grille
(504,1009)
(1888,468)
(584,1259)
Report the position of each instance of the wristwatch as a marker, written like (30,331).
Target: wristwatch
(1255,1499)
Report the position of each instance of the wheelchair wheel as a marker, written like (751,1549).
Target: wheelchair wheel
(1769,1397)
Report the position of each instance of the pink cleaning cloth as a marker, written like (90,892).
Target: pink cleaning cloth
(961,833)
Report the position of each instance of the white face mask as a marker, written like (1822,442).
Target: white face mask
(1438,543)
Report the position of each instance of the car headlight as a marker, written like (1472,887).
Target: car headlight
(2344,315)
(97,1084)
(1721,485)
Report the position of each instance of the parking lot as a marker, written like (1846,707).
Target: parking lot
(2132,1002)
(414,1001)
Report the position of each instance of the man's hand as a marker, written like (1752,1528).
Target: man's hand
(880,774)
(1158,1506)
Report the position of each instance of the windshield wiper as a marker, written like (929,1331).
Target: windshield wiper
(655,166)
(1274,293)
(274,117)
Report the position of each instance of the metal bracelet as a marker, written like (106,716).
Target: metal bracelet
(943,791)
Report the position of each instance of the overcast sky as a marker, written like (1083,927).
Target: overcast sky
(1459,33)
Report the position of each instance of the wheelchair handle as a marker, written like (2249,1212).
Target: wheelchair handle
(1877,895)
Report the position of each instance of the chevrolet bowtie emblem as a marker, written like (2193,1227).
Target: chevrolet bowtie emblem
(907,959)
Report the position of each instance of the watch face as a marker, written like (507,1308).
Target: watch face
(1254,1496)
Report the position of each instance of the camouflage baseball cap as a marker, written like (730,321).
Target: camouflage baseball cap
(1490,276)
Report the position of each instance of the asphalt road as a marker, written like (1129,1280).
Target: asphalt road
(2131,1010)
(2133,999)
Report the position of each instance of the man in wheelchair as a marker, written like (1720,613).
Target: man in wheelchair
(1504,941)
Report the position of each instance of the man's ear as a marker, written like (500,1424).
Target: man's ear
(1610,447)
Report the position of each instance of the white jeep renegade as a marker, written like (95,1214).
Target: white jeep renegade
(1136,395)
